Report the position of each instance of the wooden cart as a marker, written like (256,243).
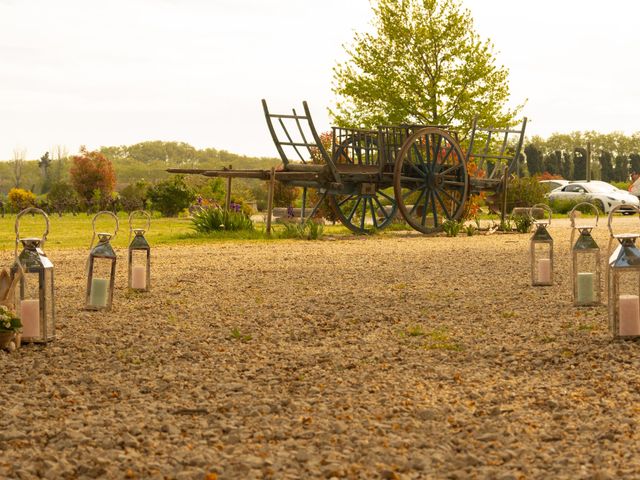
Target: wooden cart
(370,176)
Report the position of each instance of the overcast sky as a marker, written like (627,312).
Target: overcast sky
(76,72)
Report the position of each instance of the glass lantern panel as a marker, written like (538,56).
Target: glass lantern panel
(100,282)
(586,261)
(626,303)
(541,263)
(139,269)
(49,299)
(542,250)
(28,305)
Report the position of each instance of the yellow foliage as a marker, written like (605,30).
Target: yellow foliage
(21,199)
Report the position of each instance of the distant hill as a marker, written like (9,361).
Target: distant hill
(146,160)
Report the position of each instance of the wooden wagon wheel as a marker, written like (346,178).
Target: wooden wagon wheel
(430,179)
(367,208)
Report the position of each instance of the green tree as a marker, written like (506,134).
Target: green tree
(134,196)
(534,159)
(606,168)
(424,63)
(635,163)
(63,198)
(171,196)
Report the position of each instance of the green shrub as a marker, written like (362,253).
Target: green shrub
(564,206)
(621,185)
(523,223)
(308,230)
(452,228)
(524,192)
(214,219)
(171,196)
(62,197)
(134,196)
(470,230)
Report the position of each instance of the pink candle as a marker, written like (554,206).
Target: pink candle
(139,277)
(629,315)
(30,318)
(544,270)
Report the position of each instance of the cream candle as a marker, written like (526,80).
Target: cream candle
(585,287)
(629,315)
(30,317)
(99,292)
(139,277)
(544,270)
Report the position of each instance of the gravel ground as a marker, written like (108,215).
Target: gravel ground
(388,357)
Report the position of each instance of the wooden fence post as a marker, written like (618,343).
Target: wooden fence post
(272,183)
(227,200)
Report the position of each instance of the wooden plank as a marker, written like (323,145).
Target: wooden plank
(272,182)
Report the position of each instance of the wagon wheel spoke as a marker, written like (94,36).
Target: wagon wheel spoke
(442,205)
(453,199)
(427,148)
(380,207)
(433,207)
(374,218)
(421,172)
(416,204)
(436,151)
(342,202)
(450,169)
(419,155)
(363,217)
(381,193)
(353,210)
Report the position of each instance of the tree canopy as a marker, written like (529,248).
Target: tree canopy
(423,64)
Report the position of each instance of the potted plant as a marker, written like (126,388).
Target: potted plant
(10,328)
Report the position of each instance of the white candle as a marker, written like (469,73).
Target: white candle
(629,315)
(30,318)
(139,277)
(544,270)
(585,287)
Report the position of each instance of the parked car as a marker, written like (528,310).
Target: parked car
(601,194)
(553,184)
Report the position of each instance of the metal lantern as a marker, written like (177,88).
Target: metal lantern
(34,295)
(101,269)
(139,270)
(624,284)
(585,261)
(541,249)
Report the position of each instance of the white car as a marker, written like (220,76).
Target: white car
(601,194)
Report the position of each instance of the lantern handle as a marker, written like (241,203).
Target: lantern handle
(572,214)
(614,210)
(93,224)
(542,206)
(43,239)
(105,212)
(140,213)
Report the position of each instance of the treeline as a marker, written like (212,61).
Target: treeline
(615,157)
(143,161)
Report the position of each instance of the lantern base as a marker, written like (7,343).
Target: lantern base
(586,304)
(93,308)
(37,340)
